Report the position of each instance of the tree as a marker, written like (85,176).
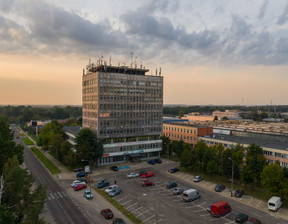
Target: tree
(246,175)
(212,167)
(272,178)
(215,118)
(165,145)
(181,113)
(8,148)
(88,147)
(225,118)
(200,150)
(18,198)
(185,158)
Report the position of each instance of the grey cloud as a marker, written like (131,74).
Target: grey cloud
(239,29)
(284,17)
(63,31)
(262,10)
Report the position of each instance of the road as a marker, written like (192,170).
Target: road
(60,204)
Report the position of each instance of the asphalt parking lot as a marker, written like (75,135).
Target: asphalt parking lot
(157,204)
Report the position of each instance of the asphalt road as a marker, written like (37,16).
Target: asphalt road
(157,204)
(62,207)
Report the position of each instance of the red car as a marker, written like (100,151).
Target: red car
(253,221)
(147,174)
(147,183)
(78,187)
(107,213)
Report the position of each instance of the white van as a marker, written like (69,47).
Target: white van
(274,203)
(190,195)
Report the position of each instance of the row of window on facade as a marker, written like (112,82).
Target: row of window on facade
(180,129)
(138,91)
(132,147)
(125,106)
(131,139)
(89,82)
(217,143)
(132,99)
(180,137)
(275,154)
(131,130)
(89,98)
(130,122)
(89,90)
(128,82)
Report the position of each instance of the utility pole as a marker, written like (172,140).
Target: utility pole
(1,187)
(232,176)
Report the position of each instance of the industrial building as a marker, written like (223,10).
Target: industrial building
(124,107)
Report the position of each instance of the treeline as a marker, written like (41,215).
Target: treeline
(19,202)
(215,160)
(87,149)
(174,110)
(21,114)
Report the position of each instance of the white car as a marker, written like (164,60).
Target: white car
(111,188)
(197,179)
(132,175)
(75,182)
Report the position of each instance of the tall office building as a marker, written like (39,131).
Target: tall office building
(124,107)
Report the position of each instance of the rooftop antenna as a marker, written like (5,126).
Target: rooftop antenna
(110,61)
(131,58)
(141,65)
(135,62)
(160,71)
(156,71)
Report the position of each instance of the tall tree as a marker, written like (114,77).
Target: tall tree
(246,175)
(272,178)
(8,148)
(88,147)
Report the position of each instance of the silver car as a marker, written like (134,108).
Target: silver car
(115,192)
(178,190)
(132,175)
(111,188)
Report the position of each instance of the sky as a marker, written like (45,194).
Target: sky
(212,52)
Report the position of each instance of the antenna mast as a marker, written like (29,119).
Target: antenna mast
(131,58)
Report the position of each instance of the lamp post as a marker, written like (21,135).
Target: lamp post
(232,176)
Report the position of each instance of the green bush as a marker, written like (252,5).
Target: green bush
(27,141)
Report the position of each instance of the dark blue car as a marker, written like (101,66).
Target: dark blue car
(152,162)
(103,183)
(81,175)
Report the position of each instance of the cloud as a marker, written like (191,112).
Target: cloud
(263,9)
(283,17)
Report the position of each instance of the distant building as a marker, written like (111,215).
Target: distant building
(124,107)
(187,133)
(230,114)
(198,118)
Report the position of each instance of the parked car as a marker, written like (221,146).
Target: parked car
(78,187)
(148,174)
(197,178)
(178,190)
(75,182)
(78,169)
(81,175)
(114,168)
(115,192)
(107,213)
(241,218)
(147,183)
(158,160)
(253,221)
(173,170)
(190,195)
(220,187)
(103,183)
(111,188)
(132,175)
(171,185)
(118,221)
(142,172)
(239,193)
(274,203)
(88,194)
(220,208)
(151,161)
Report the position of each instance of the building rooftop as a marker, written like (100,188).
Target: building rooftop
(93,67)
(249,140)
(187,124)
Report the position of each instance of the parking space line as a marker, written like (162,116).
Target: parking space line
(122,198)
(259,203)
(142,213)
(126,202)
(137,209)
(157,221)
(60,195)
(206,215)
(148,218)
(198,211)
(131,206)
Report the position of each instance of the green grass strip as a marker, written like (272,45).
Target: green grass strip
(27,141)
(124,211)
(47,163)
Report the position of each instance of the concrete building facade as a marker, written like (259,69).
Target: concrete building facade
(186,132)
(124,107)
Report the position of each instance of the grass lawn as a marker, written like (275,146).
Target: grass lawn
(27,141)
(47,163)
(124,211)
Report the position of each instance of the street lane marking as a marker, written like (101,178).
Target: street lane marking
(60,195)
(52,196)
(148,218)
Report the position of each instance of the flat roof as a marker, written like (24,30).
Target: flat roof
(187,125)
(268,143)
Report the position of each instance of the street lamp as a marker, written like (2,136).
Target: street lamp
(232,176)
